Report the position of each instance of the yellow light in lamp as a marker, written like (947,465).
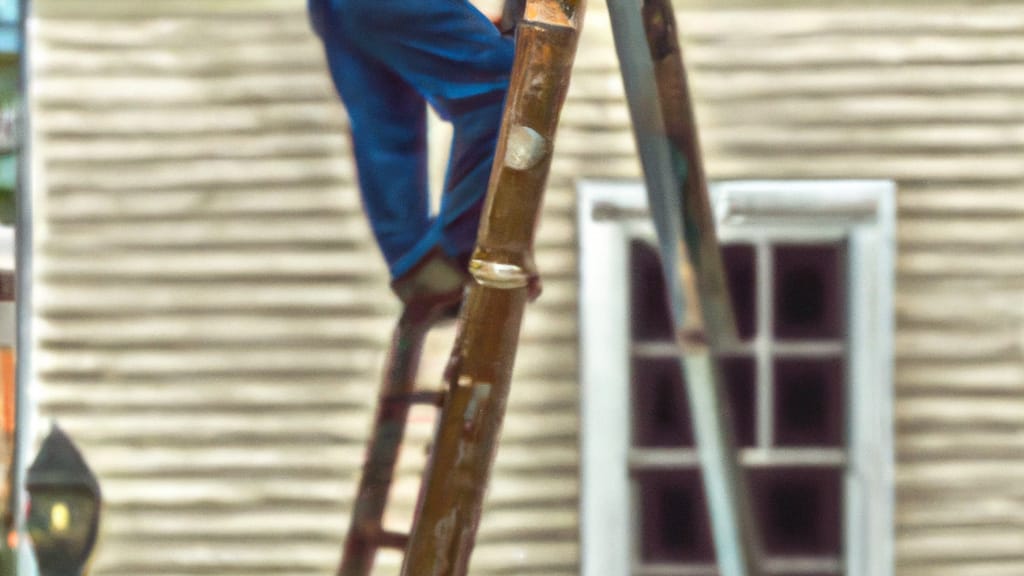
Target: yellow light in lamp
(64,510)
(60,517)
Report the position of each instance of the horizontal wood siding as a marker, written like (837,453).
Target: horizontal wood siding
(213,312)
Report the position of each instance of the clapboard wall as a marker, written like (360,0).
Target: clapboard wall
(212,314)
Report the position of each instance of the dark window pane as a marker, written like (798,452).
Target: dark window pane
(741,269)
(661,410)
(674,523)
(651,316)
(660,407)
(799,510)
(809,402)
(739,377)
(808,291)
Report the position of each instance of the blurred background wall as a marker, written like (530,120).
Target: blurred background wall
(212,312)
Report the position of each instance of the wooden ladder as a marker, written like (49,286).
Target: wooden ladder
(479,372)
(366,533)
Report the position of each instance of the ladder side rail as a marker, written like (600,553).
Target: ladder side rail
(444,530)
(366,534)
(680,129)
(661,110)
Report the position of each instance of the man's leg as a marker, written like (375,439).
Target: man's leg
(460,63)
(474,141)
(388,127)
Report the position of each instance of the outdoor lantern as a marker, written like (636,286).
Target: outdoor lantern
(64,509)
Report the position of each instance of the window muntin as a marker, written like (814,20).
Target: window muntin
(851,223)
(791,411)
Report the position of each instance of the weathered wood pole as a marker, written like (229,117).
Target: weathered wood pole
(677,112)
(666,133)
(457,475)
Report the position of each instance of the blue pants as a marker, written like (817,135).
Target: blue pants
(388,60)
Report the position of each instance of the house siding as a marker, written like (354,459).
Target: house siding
(212,313)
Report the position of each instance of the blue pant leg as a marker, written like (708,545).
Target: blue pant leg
(455,57)
(474,140)
(388,127)
(446,49)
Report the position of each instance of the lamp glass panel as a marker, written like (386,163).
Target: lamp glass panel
(62,525)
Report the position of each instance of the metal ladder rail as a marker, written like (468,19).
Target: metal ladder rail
(366,534)
(657,91)
(479,375)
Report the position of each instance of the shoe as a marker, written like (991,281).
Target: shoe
(434,286)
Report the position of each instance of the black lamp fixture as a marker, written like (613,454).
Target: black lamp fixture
(64,509)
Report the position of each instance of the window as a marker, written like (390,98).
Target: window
(809,382)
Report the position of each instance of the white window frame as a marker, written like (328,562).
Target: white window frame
(862,212)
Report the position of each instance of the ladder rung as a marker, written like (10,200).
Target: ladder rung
(388,539)
(421,397)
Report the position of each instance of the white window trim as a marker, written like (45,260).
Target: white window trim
(861,211)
